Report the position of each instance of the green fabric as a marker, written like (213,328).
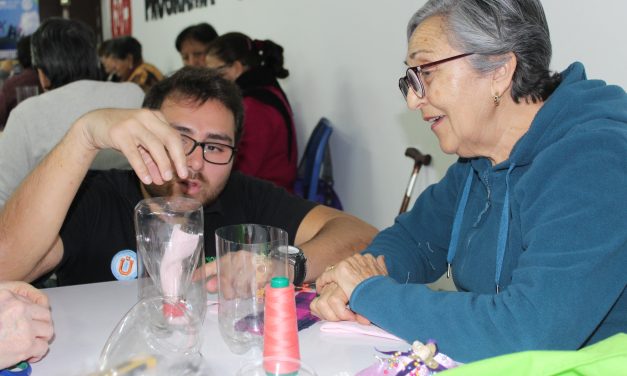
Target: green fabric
(608,357)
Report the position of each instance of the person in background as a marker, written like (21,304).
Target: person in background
(6,66)
(530,220)
(64,55)
(128,64)
(183,144)
(192,43)
(267,149)
(26,77)
(106,64)
(25,323)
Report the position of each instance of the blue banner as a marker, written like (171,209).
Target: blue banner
(17,18)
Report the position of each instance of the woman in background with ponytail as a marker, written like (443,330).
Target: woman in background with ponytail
(267,148)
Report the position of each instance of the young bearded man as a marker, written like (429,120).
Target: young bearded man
(183,144)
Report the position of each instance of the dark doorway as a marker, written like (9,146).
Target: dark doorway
(87,11)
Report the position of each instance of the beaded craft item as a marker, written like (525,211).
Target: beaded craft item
(420,360)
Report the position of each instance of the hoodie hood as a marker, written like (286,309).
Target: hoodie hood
(575,104)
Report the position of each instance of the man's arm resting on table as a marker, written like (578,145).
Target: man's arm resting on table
(327,236)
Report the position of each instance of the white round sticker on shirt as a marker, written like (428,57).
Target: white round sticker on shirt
(124,265)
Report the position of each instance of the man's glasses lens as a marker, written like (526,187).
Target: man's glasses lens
(212,152)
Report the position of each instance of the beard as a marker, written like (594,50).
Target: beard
(178,187)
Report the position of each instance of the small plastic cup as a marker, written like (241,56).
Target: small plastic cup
(248,257)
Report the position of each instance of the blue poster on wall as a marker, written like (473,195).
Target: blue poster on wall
(17,18)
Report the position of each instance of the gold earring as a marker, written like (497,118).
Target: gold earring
(497,99)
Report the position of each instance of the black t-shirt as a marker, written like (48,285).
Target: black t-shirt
(99,226)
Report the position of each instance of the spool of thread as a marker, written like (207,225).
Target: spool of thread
(280,338)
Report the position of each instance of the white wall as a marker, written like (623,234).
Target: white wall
(345,58)
(105,12)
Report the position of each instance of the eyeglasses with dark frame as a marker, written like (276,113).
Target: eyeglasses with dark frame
(212,152)
(412,76)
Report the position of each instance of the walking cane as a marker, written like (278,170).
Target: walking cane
(419,161)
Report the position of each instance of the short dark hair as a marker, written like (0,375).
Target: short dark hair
(121,47)
(232,47)
(202,32)
(65,50)
(198,85)
(23,52)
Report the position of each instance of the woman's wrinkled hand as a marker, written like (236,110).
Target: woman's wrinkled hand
(336,285)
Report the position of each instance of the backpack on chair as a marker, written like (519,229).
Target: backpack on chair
(314,180)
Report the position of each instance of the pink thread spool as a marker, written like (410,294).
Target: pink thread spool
(280,338)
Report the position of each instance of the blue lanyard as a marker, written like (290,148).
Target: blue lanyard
(503,232)
(20,369)
(457,223)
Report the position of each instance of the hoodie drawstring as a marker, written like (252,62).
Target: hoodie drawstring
(457,223)
(503,227)
(503,231)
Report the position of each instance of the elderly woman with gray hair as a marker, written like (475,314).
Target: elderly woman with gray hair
(531,219)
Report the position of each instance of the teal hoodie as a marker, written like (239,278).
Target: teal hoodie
(548,226)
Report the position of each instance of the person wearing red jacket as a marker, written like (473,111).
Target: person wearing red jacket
(267,149)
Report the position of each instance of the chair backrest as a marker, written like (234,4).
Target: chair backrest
(314,155)
(315,175)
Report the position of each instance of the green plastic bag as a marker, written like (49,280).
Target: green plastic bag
(608,357)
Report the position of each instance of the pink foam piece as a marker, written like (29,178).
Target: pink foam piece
(173,310)
(182,244)
(352,327)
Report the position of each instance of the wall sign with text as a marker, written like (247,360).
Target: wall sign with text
(157,9)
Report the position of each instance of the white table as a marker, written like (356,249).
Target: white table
(85,315)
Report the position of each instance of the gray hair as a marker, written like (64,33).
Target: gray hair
(492,28)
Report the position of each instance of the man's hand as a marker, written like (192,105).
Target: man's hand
(152,147)
(25,323)
(337,283)
(242,274)
(211,273)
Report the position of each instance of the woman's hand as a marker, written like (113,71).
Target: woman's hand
(337,283)
(25,323)
(352,271)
